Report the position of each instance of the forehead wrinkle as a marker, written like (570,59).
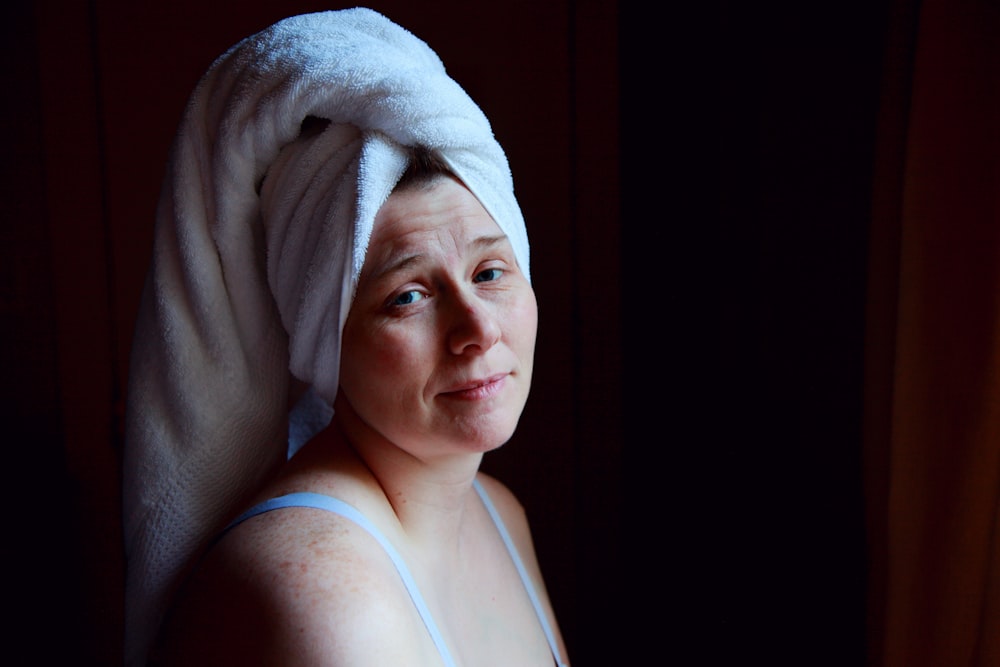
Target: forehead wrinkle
(408,259)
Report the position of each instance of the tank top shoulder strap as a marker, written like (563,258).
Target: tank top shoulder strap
(525,579)
(337,506)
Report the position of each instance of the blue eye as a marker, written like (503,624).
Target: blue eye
(488,275)
(406,298)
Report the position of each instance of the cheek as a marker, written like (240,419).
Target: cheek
(521,329)
(530,304)
(377,361)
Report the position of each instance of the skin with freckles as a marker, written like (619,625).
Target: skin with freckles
(437,356)
(442,330)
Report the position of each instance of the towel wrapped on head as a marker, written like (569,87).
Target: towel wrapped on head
(261,233)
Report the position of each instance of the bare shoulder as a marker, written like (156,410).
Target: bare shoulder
(294,587)
(500,494)
(515,519)
(511,511)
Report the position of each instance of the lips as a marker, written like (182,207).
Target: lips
(477,389)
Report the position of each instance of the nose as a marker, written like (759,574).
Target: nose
(474,326)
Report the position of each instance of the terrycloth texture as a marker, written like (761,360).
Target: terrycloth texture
(259,240)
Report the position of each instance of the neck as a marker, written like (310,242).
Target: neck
(429,493)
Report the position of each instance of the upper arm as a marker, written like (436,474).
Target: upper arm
(278,594)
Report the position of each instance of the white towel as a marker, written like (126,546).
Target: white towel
(260,237)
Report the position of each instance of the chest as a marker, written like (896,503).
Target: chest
(486,618)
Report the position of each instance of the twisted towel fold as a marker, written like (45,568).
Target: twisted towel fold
(260,237)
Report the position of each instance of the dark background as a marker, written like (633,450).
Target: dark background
(747,147)
(697,189)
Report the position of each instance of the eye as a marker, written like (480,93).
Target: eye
(488,275)
(406,298)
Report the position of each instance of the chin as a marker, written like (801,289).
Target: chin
(495,440)
(493,447)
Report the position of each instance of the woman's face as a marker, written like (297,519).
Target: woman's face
(439,343)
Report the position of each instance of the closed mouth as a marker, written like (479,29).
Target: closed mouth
(479,388)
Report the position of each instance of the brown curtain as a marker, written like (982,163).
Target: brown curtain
(933,369)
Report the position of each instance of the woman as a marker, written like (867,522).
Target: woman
(338,233)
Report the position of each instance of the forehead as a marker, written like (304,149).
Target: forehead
(423,212)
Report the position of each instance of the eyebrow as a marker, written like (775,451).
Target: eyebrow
(477,244)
